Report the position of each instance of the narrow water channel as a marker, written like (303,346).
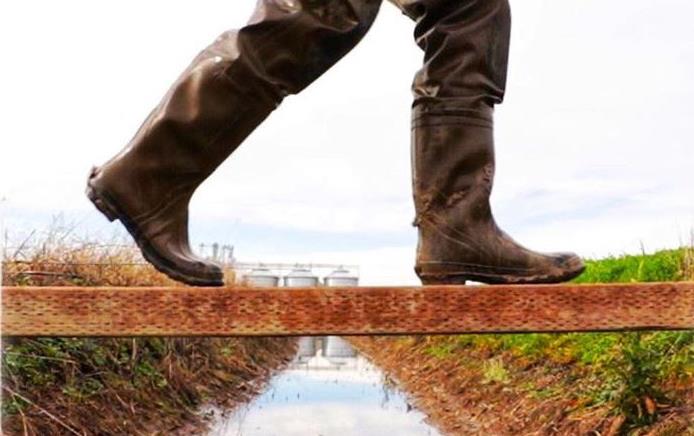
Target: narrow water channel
(328,390)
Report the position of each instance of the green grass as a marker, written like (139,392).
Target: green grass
(666,265)
(628,371)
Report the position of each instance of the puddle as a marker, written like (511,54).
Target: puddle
(328,390)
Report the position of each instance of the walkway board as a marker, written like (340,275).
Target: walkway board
(184,311)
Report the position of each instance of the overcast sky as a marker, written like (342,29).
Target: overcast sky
(595,142)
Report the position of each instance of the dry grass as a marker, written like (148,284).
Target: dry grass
(60,260)
(91,386)
(688,263)
(473,391)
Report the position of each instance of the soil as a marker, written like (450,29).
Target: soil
(460,397)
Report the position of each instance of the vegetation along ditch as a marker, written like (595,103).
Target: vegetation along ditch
(639,383)
(90,386)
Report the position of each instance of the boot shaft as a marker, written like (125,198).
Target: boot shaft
(453,164)
(228,90)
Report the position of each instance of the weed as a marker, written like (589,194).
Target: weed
(493,371)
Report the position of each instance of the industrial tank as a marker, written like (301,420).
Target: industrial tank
(300,277)
(341,277)
(263,278)
(307,348)
(336,347)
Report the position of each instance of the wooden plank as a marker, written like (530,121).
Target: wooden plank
(84,311)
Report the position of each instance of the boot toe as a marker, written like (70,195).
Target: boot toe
(210,269)
(571,260)
(181,265)
(200,269)
(570,264)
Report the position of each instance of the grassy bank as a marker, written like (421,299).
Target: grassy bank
(612,383)
(150,386)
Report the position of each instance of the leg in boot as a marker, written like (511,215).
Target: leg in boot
(228,90)
(466,53)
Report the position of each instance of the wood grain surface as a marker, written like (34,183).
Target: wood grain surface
(187,311)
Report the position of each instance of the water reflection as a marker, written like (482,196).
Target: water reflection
(327,390)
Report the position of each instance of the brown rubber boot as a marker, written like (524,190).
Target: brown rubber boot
(228,90)
(464,75)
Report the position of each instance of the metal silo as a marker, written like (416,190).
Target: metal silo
(307,348)
(300,277)
(335,346)
(341,277)
(263,278)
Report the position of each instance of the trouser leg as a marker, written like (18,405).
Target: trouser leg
(466,48)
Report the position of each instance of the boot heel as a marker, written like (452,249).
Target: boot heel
(101,205)
(98,200)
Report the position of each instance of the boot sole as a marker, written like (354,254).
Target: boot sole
(109,208)
(460,277)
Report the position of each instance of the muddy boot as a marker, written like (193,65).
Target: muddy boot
(464,76)
(228,90)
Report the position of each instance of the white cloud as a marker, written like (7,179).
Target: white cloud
(335,419)
(327,402)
